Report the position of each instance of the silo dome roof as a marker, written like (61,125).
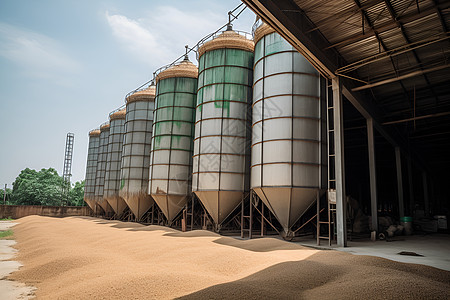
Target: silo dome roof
(262,31)
(228,39)
(95,132)
(104,127)
(183,69)
(143,95)
(118,114)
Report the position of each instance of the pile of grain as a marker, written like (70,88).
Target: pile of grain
(90,258)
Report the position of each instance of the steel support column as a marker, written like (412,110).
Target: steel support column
(425,194)
(372,175)
(411,186)
(398,163)
(341,204)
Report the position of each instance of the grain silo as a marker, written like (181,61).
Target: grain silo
(101,168)
(112,175)
(136,151)
(222,128)
(171,157)
(91,169)
(286,116)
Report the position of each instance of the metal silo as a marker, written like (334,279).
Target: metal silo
(91,169)
(222,127)
(101,168)
(136,151)
(112,176)
(171,157)
(286,128)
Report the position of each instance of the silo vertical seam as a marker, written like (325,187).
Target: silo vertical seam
(262,120)
(262,113)
(152,143)
(292,137)
(201,126)
(171,140)
(320,133)
(221,130)
(131,148)
(328,134)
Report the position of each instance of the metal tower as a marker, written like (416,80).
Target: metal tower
(67,170)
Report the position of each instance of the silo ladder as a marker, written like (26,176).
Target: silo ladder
(329,223)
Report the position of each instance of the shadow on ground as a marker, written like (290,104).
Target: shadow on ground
(335,275)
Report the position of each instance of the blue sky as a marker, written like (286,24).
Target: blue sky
(64,65)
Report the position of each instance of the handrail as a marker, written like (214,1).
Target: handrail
(231,18)
(117,109)
(257,23)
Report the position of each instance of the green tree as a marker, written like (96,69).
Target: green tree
(76,194)
(45,187)
(38,188)
(8,196)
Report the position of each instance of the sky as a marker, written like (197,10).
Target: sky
(65,65)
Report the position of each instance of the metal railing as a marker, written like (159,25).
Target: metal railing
(117,109)
(257,23)
(93,130)
(232,15)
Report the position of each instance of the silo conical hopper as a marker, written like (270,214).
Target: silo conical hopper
(91,169)
(222,139)
(101,168)
(285,138)
(112,176)
(136,151)
(171,157)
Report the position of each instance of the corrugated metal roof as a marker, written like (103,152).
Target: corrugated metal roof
(404,42)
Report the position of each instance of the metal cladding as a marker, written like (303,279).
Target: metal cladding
(136,151)
(113,162)
(91,169)
(101,168)
(171,155)
(222,127)
(286,128)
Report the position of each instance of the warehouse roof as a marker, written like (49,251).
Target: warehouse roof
(393,55)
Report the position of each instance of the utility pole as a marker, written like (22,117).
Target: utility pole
(4,196)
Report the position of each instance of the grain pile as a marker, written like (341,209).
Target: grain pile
(74,258)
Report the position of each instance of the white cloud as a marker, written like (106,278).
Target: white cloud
(38,55)
(139,41)
(160,38)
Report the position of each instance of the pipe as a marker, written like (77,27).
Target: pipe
(418,118)
(409,75)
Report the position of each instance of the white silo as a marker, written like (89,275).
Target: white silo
(285,164)
(112,175)
(136,151)
(91,169)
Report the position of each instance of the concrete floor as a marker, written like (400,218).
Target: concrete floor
(435,248)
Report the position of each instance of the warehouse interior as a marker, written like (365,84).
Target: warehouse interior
(389,61)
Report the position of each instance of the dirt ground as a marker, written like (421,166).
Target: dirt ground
(88,258)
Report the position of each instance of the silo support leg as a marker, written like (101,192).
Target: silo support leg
(242,218)
(249,216)
(341,209)
(262,219)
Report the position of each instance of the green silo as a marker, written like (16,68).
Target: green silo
(171,154)
(222,128)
